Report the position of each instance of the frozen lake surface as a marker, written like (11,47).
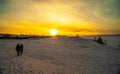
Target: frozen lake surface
(60,55)
(111,40)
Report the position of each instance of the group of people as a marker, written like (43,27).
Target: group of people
(100,40)
(19,49)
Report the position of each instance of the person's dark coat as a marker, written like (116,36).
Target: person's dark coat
(17,49)
(21,49)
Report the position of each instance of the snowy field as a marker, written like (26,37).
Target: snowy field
(62,55)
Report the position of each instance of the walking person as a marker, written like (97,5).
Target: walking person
(17,49)
(21,49)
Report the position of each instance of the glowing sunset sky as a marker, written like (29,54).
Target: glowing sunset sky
(69,17)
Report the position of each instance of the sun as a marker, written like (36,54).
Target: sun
(53,32)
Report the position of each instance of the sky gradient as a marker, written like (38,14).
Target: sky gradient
(69,17)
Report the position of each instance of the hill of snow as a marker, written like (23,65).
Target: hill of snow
(58,55)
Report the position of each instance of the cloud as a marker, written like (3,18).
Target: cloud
(99,14)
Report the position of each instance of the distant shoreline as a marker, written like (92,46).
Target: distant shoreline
(31,35)
(102,35)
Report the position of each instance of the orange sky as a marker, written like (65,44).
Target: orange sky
(69,17)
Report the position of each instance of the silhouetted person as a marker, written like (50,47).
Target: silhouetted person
(17,49)
(95,38)
(100,40)
(21,49)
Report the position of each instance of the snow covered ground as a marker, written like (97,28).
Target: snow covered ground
(113,41)
(60,55)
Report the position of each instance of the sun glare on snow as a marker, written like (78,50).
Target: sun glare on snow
(53,32)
